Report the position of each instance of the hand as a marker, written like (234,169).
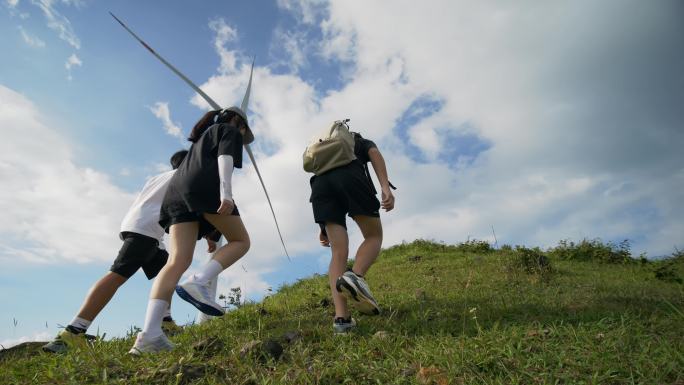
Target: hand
(325,242)
(387,202)
(226,207)
(211,245)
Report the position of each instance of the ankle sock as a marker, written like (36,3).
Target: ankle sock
(79,323)
(153,317)
(208,272)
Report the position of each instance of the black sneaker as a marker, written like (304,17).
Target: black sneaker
(169,327)
(355,288)
(343,325)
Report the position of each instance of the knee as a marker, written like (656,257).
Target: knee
(246,243)
(179,263)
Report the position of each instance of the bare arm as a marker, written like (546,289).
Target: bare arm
(378,163)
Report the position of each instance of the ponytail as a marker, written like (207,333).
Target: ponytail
(205,122)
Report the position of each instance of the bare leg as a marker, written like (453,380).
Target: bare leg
(100,294)
(183,237)
(339,243)
(371,229)
(231,227)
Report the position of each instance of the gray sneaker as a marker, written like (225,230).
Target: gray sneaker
(355,289)
(343,326)
(198,295)
(65,340)
(150,345)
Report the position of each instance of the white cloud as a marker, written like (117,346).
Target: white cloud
(162,112)
(161,167)
(13,9)
(293,46)
(224,34)
(54,210)
(305,11)
(58,22)
(32,41)
(37,336)
(558,156)
(71,62)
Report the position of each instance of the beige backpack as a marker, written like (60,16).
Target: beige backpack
(331,148)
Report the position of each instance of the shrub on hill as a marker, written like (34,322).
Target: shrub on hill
(530,261)
(593,250)
(475,246)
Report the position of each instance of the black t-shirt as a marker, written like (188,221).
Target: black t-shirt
(361,148)
(197,178)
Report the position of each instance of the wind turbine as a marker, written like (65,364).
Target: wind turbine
(214,105)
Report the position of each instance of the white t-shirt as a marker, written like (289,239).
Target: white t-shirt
(143,216)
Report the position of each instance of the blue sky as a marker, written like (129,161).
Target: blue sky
(546,121)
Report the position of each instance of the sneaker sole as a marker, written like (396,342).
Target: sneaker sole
(49,349)
(204,308)
(360,299)
(137,352)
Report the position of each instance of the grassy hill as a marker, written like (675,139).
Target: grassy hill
(464,314)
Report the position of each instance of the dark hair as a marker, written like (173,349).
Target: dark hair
(205,122)
(211,118)
(177,158)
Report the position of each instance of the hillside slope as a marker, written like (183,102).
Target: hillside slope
(461,314)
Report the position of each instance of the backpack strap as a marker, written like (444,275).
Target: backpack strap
(365,167)
(368,176)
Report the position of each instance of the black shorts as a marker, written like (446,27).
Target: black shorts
(205,228)
(139,251)
(175,210)
(342,191)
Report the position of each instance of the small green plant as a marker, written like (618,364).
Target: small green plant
(593,250)
(475,246)
(132,332)
(531,261)
(234,298)
(666,272)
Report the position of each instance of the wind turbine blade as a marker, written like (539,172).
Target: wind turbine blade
(251,157)
(215,106)
(206,97)
(245,99)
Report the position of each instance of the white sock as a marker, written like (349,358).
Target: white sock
(153,318)
(208,272)
(80,323)
(167,313)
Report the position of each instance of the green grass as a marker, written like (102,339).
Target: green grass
(462,314)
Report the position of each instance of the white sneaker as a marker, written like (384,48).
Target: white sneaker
(198,295)
(150,345)
(356,289)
